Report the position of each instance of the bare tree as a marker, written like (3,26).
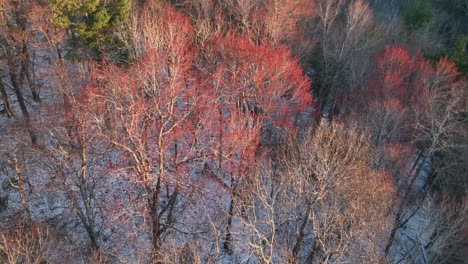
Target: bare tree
(319,201)
(150,113)
(11,39)
(348,37)
(438,126)
(74,157)
(15,26)
(5,99)
(14,167)
(24,243)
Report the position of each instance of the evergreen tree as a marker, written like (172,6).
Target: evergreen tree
(91,25)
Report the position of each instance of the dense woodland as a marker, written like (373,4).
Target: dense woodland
(233,131)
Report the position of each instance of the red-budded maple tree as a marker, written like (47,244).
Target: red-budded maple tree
(148,112)
(396,74)
(252,88)
(176,106)
(409,102)
(388,102)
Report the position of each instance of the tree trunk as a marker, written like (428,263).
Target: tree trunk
(227,245)
(59,54)
(22,192)
(6,102)
(21,21)
(24,200)
(19,95)
(87,197)
(15,84)
(25,72)
(228,239)
(220,140)
(397,222)
(155,221)
(300,240)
